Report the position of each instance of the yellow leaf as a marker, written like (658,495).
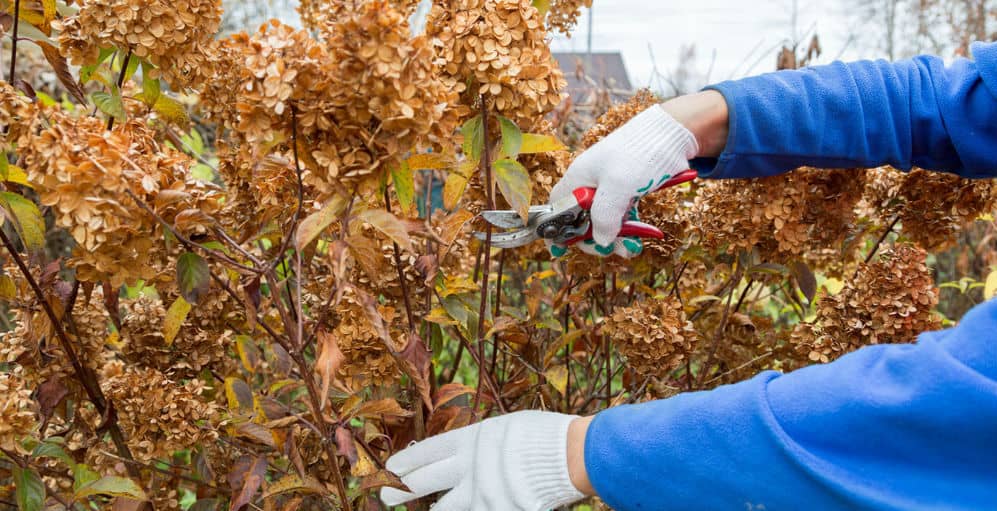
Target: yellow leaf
(542,275)
(364,465)
(990,288)
(452,225)
(48,10)
(114,340)
(17,175)
(175,317)
(315,223)
(557,376)
(404,186)
(533,143)
(833,286)
(27,219)
(387,224)
(240,397)
(439,316)
(382,407)
(294,483)
(430,161)
(171,110)
(456,183)
(514,183)
(248,352)
(8,291)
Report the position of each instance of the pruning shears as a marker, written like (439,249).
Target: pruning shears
(566,221)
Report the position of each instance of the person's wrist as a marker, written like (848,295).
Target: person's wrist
(706,116)
(576,455)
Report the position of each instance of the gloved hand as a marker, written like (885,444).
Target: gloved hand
(516,462)
(630,162)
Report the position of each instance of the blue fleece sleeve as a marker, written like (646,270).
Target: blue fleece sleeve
(886,427)
(863,114)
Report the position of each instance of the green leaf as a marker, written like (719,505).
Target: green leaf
(474,138)
(512,138)
(171,110)
(30,491)
(404,185)
(174,319)
(50,450)
(389,225)
(112,486)
(83,475)
(131,67)
(533,143)
(110,103)
(4,165)
(150,85)
(193,276)
(315,223)
(26,218)
(990,287)
(514,183)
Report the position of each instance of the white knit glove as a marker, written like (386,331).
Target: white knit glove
(630,162)
(516,462)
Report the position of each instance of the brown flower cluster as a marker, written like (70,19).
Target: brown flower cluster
(664,210)
(618,115)
(361,96)
(653,335)
(85,173)
(563,14)
(497,48)
(784,217)
(17,410)
(367,360)
(174,36)
(932,206)
(16,112)
(194,348)
(157,415)
(889,301)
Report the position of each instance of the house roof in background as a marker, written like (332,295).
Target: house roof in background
(606,69)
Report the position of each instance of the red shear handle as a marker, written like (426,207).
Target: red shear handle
(628,229)
(585,196)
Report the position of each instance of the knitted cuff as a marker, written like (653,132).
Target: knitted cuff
(542,447)
(656,133)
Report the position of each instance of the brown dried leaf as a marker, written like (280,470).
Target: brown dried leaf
(329,359)
(61,68)
(245,479)
(382,407)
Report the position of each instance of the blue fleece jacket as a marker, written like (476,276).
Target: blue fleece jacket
(907,427)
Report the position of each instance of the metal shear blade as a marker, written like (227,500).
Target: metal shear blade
(511,239)
(508,219)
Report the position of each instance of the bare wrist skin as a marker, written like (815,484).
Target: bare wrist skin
(705,115)
(576,455)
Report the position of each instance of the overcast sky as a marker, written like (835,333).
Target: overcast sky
(740,32)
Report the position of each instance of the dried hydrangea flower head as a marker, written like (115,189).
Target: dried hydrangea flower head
(83,171)
(932,207)
(563,14)
(17,410)
(174,36)
(497,48)
(653,335)
(890,300)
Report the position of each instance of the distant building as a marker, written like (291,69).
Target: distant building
(588,74)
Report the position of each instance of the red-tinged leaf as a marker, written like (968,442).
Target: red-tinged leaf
(375,317)
(381,479)
(50,394)
(26,88)
(449,392)
(389,225)
(204,505)
(416,358)
(129,504)
(313,225)
(345,445)
(805,279)
(327,364)
(514,183)
(62,72)
(387,407)
(193,276)
(111,303)
(428,267)
(501,324)
(245,480)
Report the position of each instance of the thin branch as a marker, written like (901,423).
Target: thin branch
(86,378)
(120,82)
(401,272)
(301,192)
(886,233)
(486,167)
(13,41)
(718,336)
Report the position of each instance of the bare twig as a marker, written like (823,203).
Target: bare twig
(486,167)
(886,233)
(120,82)
(13,41)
